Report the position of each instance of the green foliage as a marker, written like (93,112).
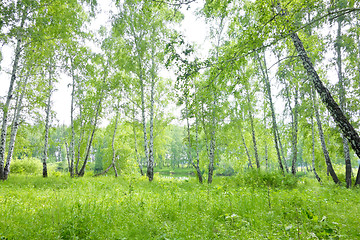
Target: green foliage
(258,178)
(27,165)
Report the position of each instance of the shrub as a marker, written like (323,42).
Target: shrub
(226,171)
(259,178)
(27,165)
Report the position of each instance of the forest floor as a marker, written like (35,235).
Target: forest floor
(247,206)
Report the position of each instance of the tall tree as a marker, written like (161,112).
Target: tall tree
(16,122)
(47,118)
(23,12)
(338,48)
(143,26)
(263,68)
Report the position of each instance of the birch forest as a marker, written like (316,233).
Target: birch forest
(179,119)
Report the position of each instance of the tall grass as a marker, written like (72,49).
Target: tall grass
(133,208)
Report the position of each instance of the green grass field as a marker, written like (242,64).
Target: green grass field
(250,206)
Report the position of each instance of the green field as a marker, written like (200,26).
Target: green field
(250,206)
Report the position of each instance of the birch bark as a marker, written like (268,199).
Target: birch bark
(196,166)
(342,102)
(212,141)
(6,107)
(295,133)
(15,125)
(252,129)
(112,164)
(47,123)
(91,137)
(330,168)
(150,168)
(246,149)
(72,140)
(274,125)
(313,147)
(199,174)
(135,142)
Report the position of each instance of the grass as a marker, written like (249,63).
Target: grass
(264,207)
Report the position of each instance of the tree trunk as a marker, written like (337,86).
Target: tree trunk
(330,168)
(334,109)
(7,105)
(266,156)
(113,143)
(212,142)
(295,133)
(196,166)
(188,128)
(342,103)
(87,154)
(150,166)
(265,142)
(47,124)
(199,174)
(357,181)
(15,125)
(67,153)
(278,139)
(82,132)
(358,42)
(274,125)
(206,137)
(72,140)
(313,147)
(252,129)
(246,149)
(112,164)
(135,142)
(143,119)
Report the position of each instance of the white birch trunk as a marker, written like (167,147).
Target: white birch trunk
(246,150)
(253,130)
(14,128)
(78,155)
(135,145)
(196,166)
(112,164)
(342,103)
(91,137)
(199,174)
(330,168)
(150,166)
(6,108)
(72,109)
(47,124)
(313,147)
(212,140)
(295,133)
(274,125)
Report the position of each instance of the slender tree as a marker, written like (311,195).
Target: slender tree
(47,120)
(342,96)
(263,68)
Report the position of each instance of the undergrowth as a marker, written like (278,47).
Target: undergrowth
(253,205)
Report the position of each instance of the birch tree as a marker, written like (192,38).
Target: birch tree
(143,26)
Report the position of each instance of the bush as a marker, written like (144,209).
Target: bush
(227,171)
(27,165)
(259,178)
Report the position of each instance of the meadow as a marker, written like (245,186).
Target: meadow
(252,205)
